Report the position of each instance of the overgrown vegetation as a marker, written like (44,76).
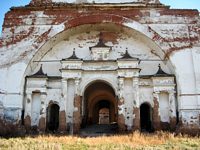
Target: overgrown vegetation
(136,140)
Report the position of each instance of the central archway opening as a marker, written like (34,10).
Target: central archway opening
(53,117)
(145,117)
(99,107)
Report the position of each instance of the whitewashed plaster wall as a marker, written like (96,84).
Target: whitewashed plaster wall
(81,43)
(187,74)
(35,109)
(70,101)
(196,60)
(146,94)
(164,107)
(185,80)
(12,85)
(65,48)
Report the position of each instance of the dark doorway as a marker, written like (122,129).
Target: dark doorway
(145,117)
(98,96)
(53,117)
(99,110)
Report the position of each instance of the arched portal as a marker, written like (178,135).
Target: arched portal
(100,104)
(53,117)
(145,117)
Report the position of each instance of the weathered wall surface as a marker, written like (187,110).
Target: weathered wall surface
(93,1)
(156,33)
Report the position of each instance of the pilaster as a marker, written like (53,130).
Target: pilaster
(172,104)
(156,112)
(27,119)
(77,108)
(42,121)
(136,109)
(121,111)
(62,113)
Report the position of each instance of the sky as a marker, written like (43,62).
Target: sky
(6,4)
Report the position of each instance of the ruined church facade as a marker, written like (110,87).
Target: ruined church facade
(68,64)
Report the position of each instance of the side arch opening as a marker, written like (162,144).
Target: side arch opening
(146,117)
(53,117)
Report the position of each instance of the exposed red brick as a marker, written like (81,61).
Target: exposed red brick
(179,12)
(110,37)
(136,120)
(1,43)
(156,117)
(172,49)
(173,122)
(42,124)
(43,37)
(62,122)
(121,118)
(27,123)
(15,17)
(94,19)
(40,2)
(77,115)
(19,37)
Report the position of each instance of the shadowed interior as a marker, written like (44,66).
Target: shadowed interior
(99,96)
(53,117)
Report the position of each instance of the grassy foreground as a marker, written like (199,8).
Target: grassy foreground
(136,140)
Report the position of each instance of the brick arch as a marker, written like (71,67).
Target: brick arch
(51,102)
(68,25)
(144,30)
(121,21)
(88,82)
(148,103)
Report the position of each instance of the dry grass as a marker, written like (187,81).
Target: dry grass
(136,140)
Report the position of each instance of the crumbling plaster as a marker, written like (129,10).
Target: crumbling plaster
(41,35)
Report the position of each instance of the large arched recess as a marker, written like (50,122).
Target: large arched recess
(73,26)
(85,23)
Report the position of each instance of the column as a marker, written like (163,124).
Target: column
(27,119)
(121,111)
(156,112)
(172,111)
(42,121)
(136,109)
(77,108)
(62,113)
